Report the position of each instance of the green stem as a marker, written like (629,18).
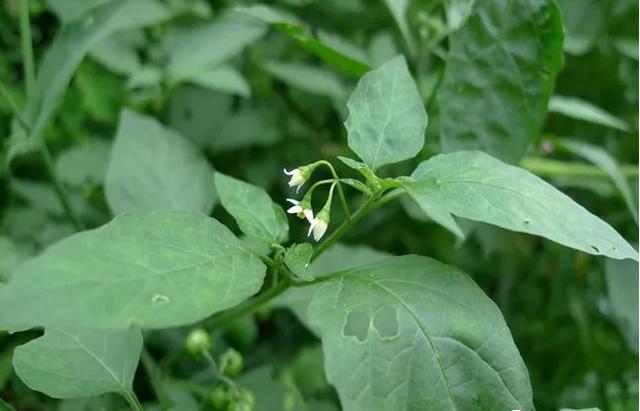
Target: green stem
(132,400)
(554,168)
(155,378)
(343,199)
(29,74)
(27,49)
(14,109)
(339,232)
(249,306)
(219,371)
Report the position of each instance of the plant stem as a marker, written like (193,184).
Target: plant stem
(555,168)
(29,74)
(155,379)
(343,199)
(57,186)
(27,49)
(132,400)
(339,232)
(249,306)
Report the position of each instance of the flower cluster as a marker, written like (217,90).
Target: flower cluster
(319,223)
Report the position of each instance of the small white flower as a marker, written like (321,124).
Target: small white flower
(318,227)
(298,210)
(297,178)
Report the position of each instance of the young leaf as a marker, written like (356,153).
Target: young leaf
(298,260)
(390,329)
(153,270)
(154,168)
(474,185)
(256,215)
(583,110)
(622,286)
(606,163)
(500,111)
(67,51)
(73,364)
(387,119)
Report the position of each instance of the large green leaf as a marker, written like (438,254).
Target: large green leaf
(500,71)
(387,119)
(71,45)
(412,333)
(73,364)
(256,215)
(154,168)
(153,270)
(338,258)
(474,185)
(622,286)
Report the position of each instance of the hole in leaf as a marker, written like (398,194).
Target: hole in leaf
(527,221)
(356,325)
(159,299)
(385,321)
(595,248)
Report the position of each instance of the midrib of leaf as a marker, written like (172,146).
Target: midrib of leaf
(98,359)
(423,328)
(393,94)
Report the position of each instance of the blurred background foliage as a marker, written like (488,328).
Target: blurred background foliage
(265,98)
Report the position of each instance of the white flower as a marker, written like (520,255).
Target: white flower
(318,227)
(297,178)
(300,211)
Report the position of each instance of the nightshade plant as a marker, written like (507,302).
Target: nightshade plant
(402,332)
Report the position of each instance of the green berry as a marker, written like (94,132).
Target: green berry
(247,396)
(231,362)
(198,340)
(219,397)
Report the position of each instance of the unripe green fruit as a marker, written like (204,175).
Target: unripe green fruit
(198,340)
(219,398)
(231,362)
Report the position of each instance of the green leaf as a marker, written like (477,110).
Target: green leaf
(476,186)
(361,168)
(71,45)
(387,119)
(582,23)
(192,49)
(10,257)
(84,164)
(73,364)
(153,270)
(298,260)
(412,333)
(622,285)
(294,28)
(434,211)
(223,78)
(583,110)
(154,168)
(255,126)
(399,10)
(499,73)
(606,163)
(338,258)
(256,215)
(309,78)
